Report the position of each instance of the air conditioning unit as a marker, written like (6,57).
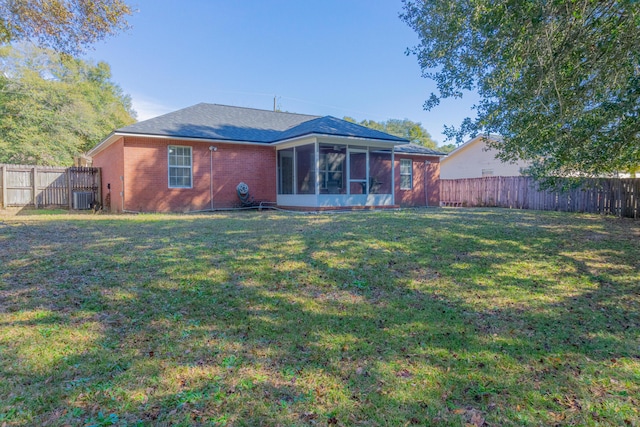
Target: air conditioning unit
(82,200)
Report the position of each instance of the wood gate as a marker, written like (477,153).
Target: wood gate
(49,186)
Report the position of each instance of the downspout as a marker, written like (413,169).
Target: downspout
(426,193)
(122,192)
(393,175)
(317,169)
(211,150)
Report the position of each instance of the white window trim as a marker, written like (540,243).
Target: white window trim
(410,174)
(190,167)
(326,171)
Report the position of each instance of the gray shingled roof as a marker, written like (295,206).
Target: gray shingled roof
(417,149)
(222,122)
(336,127)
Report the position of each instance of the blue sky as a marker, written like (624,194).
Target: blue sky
(324,57)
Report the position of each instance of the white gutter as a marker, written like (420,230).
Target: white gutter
(116,135)
(402,153)
(337,137)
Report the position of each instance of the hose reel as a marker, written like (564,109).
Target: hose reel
(242,190)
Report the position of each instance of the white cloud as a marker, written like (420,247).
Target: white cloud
(148,108)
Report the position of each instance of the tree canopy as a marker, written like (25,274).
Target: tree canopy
(447,148)
(559,80)
(412,131)
(53,107)
(63,25)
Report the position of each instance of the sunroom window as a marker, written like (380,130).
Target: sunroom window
(306,169)
(285,171)
(331,169)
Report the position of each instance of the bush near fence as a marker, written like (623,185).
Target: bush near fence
(611,196)
(46,186)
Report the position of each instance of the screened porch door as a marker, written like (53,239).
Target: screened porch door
(358,172)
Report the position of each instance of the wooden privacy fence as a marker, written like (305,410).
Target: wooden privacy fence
(49,186)
(612,196)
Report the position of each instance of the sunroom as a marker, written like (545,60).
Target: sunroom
(333,172)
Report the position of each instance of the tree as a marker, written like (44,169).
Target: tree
(559,80)
(412,131)
(64,25)
(53,107)
(447,148)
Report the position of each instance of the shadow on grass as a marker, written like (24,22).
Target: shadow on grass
(420,317)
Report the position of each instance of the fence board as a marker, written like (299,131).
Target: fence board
(3,190)
(613,196)
(24,185)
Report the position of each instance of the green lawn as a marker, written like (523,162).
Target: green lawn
(419,317)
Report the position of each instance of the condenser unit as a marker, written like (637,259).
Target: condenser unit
(82,200)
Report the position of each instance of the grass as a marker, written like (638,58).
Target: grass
(427,317)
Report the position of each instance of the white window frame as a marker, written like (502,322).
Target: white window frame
(403,162)
(189,167)
(325,171)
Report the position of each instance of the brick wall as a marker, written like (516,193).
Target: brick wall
(417,195)
(111,162)
(146,181)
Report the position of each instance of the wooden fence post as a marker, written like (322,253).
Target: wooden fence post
(99,184)
(69,189)
(35,187)
(636,199)
(3,180)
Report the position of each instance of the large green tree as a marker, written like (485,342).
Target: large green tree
(53,106)
(64,25)
(559,80)
(406,128)
(447,148)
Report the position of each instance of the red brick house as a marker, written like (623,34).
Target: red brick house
(193,159)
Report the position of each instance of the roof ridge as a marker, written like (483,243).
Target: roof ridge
(256,109)
(304,129)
